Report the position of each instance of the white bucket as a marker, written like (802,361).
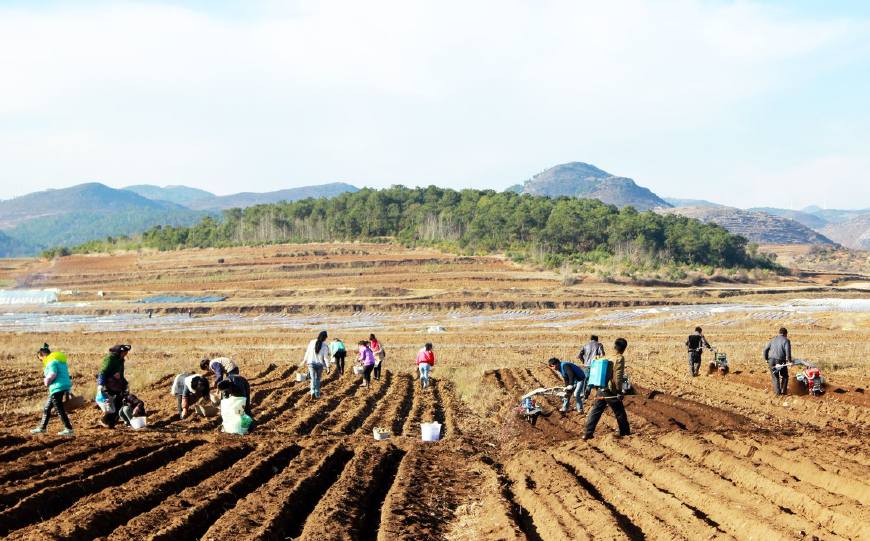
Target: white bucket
(431,431)
(138,422)
(301,376)
(381,434)
(358,370)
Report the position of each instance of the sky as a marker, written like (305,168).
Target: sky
(743,103)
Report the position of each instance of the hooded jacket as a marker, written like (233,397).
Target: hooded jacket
(55,370)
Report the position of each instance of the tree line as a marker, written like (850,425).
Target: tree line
(473,221)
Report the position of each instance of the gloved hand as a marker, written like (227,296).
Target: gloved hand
(569,387)
(620,397)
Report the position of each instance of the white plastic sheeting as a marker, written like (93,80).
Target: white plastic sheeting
(28,296)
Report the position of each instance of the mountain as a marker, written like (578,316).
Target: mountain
(579,179)
(10,247)
(834,216)
(248,199)
(677,202)
(180,195)
(759,227)
(85,212)
(813,221)
(854,233)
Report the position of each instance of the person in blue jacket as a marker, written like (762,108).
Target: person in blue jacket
(55,374)
(575,382)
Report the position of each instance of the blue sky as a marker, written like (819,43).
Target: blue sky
(744,103)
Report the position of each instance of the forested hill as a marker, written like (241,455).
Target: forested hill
(475,220)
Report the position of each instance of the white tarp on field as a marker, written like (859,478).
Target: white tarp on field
(28,296)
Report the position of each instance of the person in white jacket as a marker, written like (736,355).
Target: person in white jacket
(317,358)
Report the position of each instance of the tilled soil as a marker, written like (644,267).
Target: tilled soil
(701,464)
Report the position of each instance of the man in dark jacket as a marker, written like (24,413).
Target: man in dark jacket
(696,344)
(235,385)
(611,395)
(778,356)
(111,383)
(574,378)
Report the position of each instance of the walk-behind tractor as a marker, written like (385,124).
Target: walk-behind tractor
(530,409)
(719,363)
(809,377)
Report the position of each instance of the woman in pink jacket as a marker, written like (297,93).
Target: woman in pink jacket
(367,360)
(425,362)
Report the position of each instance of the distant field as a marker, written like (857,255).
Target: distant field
(711,457)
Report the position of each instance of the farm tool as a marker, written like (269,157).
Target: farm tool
(718,364)
(530,409)
(809,377)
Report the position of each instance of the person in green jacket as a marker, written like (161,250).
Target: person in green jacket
(55,372)
(111,383)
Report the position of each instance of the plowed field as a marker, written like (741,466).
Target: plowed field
(709,457)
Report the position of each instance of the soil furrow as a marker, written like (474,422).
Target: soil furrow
(560,506)
(709,504)
(32,445)
(351,508)
(189,513)
(424,497)
(393,410)
(768,482)
(320,409)
(348,420)
(658,514)
(14,492)
(30,467)
(100,513)
(493,513)
(52,500)
(278,509)
(800,468)
(770,515)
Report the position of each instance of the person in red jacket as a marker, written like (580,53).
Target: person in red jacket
(425,362)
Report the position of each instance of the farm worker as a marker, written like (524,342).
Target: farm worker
(425,363)
(339,353)
(575,382)
(367,360)
(111,383)
(380,354)
(778,356)
(696,343)
(55,373)
(234,385)
(221,366)
(132,407)
(611,395)
(592,350)
(188,390)
(317,358)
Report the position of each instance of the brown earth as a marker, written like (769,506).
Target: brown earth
(710,457)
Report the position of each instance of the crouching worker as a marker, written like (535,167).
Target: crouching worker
(575,382)
(111,384)
(55,374)
(425,363)
(610,394)
(220,366)
(188,390)
(237,386)
(132,407)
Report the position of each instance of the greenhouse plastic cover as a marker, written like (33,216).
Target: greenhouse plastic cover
(162,299)
(28,296)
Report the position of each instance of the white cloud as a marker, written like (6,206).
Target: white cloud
(459,93)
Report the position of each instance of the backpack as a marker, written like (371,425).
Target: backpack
(600,372)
